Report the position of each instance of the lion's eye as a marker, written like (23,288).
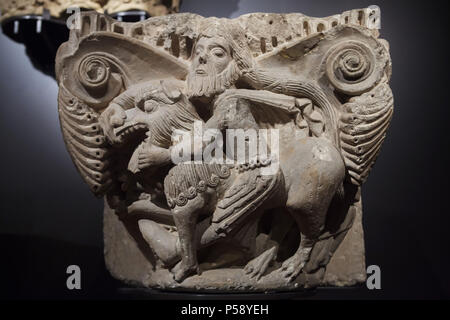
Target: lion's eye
(150,106)
(218,52)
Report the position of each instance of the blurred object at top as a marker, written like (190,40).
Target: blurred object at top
(41,24)
(58,8)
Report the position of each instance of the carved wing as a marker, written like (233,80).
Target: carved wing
(347,70)
(363,125)
(84,141)
(99,62)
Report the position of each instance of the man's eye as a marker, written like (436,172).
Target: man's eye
(218,53)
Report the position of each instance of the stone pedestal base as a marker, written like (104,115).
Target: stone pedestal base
(129,259)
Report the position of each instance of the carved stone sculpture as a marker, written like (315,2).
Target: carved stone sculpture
(311,93)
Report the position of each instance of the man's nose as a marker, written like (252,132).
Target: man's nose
(202,58)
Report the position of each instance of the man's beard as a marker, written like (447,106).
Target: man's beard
(212,84)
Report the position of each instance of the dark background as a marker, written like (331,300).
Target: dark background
(49,219)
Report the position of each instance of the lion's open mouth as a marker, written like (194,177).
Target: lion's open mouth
(130,130)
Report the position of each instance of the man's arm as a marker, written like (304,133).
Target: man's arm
(282,102)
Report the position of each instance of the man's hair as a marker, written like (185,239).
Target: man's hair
(233,33)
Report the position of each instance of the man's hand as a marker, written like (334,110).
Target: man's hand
(152,156)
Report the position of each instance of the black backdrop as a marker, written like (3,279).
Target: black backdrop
(49,219)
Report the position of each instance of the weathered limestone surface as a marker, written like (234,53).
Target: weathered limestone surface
(230,153)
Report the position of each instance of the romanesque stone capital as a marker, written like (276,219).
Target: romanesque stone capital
(230,152)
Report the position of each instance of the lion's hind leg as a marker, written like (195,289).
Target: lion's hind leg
(309,198)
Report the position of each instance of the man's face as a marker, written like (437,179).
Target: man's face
(211,57)
(212,70)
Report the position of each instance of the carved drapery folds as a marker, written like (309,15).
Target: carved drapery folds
(318,85)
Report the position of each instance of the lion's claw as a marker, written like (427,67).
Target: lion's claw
(258,266)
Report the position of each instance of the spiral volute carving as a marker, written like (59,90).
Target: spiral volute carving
(94,72)
(351,68)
